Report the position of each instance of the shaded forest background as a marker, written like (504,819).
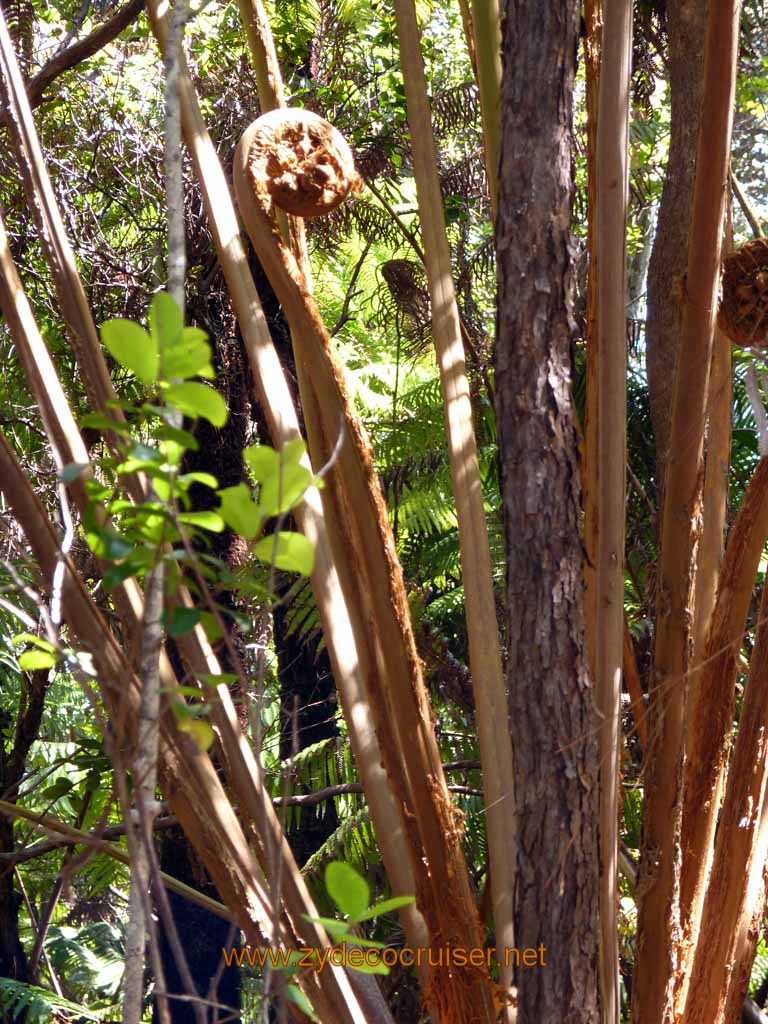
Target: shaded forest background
(63,908)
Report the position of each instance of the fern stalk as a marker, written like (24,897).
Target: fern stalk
(485,653)
(611,211)
(735,898)
(487,59)
(715,498)
(663,959)
(337,627)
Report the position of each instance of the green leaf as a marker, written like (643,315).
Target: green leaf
(280,493)
(162,488)
(341,931)
(366,968)
(198,400)
(30,661)
(37,641)
(141,457)
(293,451)
(117,573)
(183,438)
(59,788)
(99,421)
(219,677)
(204,520)
(212,631)
(166,321)
(188,356)
(107,544)
(200,731)
(282,477)
(239,511)
(181,620)
(199,478)
(263,461)
(336,929)
(173,452)
(348,890)
(132,347)
(293,552)
(384,907)
(295,994)
(147,452)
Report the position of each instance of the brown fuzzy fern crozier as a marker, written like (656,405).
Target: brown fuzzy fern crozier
(299,162)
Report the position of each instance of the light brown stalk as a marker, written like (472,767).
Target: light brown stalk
(612,168)
(723,945)
(469,34)
(355,699)
(484,649)
(713,697)
(659,932)
(634,686)
(486,35)
(715,498)
(274,396)
(368,565)
(68,446)
(590,476)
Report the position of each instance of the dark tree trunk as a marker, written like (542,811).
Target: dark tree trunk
(553,719)
(202,934)
(306,685)
(686,27)
(13,960)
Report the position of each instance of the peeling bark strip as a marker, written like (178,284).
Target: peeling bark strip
(713,696)
(371,576)
(726,943)
(552,711)
(686,28)
(662,965)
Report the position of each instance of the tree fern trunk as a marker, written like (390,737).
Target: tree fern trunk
(552,710)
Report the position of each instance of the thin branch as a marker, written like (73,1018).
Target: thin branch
(81,51)
(106,834)
(330,792)
(746,207)
(70,834)
(33,921)
(351,292)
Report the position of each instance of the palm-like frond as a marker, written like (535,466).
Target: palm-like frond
(41,1006)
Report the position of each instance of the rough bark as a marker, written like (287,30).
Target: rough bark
(686,27)
(551,702)
(13,960)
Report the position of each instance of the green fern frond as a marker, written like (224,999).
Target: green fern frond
(353,842)
(42,1006)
